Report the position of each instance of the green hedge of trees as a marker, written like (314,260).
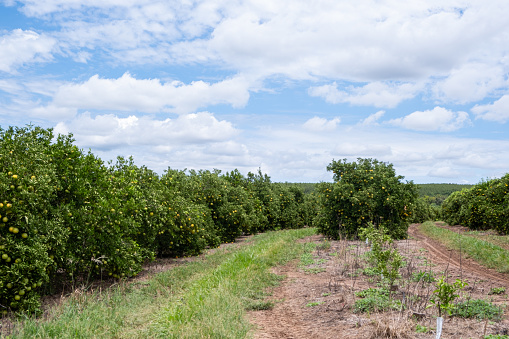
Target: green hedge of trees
(66,216)
(484,206)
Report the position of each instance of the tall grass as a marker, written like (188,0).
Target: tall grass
(484,252)
(206,298)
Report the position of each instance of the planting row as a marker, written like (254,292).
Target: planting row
(66,215)
(484,206)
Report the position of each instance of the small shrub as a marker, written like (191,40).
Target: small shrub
(445,294)
(384,258)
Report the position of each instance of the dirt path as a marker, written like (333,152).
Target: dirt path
(294,317)
(438,253)
(317,301)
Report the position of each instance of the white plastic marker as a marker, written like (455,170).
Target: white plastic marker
(440,322)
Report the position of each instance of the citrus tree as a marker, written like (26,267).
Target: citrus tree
(68,217)
(484,206)
(29,229)
(363,192)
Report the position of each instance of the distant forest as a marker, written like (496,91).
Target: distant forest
(433,190)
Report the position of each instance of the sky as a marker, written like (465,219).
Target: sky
(283,86)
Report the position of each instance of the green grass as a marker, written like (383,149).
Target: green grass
(499,240)
(314,303)
(207,298)
(484,252)
(307,259)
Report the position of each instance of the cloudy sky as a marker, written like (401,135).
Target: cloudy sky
(286,86)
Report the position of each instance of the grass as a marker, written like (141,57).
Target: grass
(499,240)
(484,252)
(205,298)
(314,303)
(307,259)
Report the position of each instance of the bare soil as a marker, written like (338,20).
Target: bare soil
(317,301)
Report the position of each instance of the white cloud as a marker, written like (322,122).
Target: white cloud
(361,41)
(373,118)
(444,172)
(470,83)
(317,124)
(20,47)
(110,131)
(376,94)
(148,95)
(437,119)
(497,111)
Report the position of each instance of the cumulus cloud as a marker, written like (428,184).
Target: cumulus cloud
(298,39)
(317,124)
(149,95)
(437,119)
(20,47)
(471,82)
(376,94)
(110,131)
(497,111)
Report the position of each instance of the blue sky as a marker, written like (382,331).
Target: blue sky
(286,86)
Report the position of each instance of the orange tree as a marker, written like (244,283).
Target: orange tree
(267,201)
(484,206)
(364,191)
(28,228)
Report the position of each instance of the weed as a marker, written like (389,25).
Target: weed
(496,336)
(497,290)
(314,303)
(478,308)
(423,276)
(260,305)
(324,246)
(369,271)
(375,300)
(421,329)
(314,270)
(307,259)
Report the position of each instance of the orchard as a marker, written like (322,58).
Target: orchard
(484,206)
(67,217)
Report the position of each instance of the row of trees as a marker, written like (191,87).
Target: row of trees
(66,215)
(484,206)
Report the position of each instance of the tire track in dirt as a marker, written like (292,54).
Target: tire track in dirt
(438,252)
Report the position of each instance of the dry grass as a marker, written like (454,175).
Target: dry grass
(392,326)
